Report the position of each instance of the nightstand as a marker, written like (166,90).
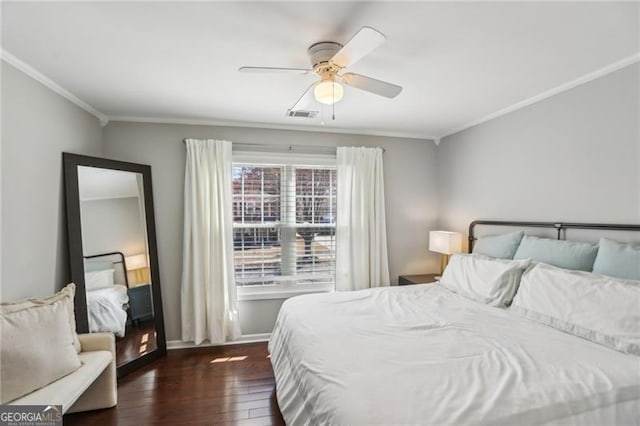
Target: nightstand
(417,279)
(140,301)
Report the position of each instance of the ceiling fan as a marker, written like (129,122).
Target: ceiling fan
(328,60)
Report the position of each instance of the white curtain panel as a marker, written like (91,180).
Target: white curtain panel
(361,234)
(209,303)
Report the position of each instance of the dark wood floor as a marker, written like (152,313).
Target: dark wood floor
(204,386)
(138,340)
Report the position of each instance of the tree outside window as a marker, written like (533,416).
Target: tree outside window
(284,224)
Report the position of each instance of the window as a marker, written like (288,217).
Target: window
(284,226)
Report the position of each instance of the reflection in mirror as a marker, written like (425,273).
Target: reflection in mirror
(113,256)
(118,281)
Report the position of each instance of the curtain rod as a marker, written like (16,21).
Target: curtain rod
(285,147)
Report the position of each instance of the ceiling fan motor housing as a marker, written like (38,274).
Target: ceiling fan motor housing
(321,53)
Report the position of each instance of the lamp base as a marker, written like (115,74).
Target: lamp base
(444,260)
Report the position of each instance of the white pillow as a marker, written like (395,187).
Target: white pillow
(602,309)
(37,349)
(65,296)
(484,279)
(96,280)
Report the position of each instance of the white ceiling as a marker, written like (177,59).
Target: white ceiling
(458,62)
(100,184)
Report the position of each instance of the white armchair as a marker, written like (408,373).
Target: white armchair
(90,387)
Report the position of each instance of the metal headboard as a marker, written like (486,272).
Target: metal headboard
(114,253)
(558,226)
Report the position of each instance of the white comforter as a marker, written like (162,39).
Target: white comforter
(424,355)
(106,311)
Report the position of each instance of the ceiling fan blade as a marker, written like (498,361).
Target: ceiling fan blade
(306,100)
(372,85)
(274,70)
(365,41)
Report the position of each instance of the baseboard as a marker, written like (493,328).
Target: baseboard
(247,338)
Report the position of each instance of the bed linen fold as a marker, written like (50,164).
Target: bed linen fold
(106,310)
(424,355)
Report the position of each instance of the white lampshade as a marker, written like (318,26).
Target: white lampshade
(136,261)
(328,92)
(445,242)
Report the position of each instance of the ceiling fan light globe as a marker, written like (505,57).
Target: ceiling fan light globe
(328,92)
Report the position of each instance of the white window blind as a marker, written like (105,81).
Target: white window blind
(284,225)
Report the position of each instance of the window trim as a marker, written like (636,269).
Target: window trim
(286,289)
(269,159)
(281,292)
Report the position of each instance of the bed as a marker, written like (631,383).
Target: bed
(107,286)
(424,354)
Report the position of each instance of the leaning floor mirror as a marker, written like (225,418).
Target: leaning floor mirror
(113,256)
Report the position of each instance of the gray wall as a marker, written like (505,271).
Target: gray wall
(112,224)
(572,157)
(410,191)
(37,126)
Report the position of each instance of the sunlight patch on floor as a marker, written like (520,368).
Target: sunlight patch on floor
(229,359)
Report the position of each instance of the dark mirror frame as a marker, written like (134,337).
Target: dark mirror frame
(76,254)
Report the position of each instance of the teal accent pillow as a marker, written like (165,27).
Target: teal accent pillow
(563,254)
(618,260)
(501,246)
(96,265)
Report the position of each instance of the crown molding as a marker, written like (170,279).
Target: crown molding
(251,124)
(104,119)
(43,79)
(630,60)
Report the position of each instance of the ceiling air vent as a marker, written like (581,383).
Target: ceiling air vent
(302,113)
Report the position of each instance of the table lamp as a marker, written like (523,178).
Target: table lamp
(138,265)
(445,243)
